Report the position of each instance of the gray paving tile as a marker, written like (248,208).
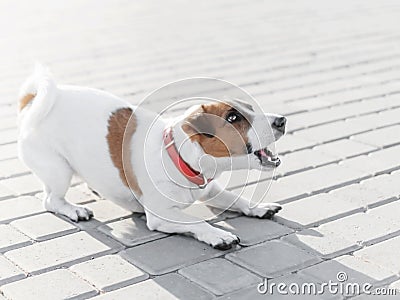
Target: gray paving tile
(273,258)
(181,287)
(219,276)
(186,251)
(253,230)
(131,232)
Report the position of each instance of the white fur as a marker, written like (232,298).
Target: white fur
(63,132)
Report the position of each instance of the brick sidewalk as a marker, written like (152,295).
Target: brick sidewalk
(332,68)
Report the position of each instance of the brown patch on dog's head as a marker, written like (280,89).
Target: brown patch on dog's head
(219,128)
(24,101)
(118,123)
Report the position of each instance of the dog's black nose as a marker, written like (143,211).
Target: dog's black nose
(279,123)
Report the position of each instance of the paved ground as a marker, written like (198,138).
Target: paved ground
(333,68)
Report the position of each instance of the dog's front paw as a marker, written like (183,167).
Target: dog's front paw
(264,210)
(219,239)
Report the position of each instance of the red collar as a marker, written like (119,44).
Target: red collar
(190,174)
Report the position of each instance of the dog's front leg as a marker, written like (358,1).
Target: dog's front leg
(170,218)
(222,199)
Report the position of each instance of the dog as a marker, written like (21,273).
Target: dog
(140,161)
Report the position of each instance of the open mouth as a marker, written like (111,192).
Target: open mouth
(267,158)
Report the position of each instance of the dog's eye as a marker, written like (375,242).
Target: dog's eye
(233,117)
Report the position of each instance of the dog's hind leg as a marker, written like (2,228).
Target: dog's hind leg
(55,174)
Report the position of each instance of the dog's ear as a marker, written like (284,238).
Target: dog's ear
(199,122)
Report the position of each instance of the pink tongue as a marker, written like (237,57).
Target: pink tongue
(262,152)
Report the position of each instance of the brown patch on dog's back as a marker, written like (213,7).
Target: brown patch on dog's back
(24,101)
(117,125)
(208,127)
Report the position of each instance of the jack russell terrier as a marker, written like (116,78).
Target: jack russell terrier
(140,161)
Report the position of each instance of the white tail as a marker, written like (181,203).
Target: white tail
(37,96)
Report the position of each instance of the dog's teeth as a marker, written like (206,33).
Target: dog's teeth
(272,159)
(264,153)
